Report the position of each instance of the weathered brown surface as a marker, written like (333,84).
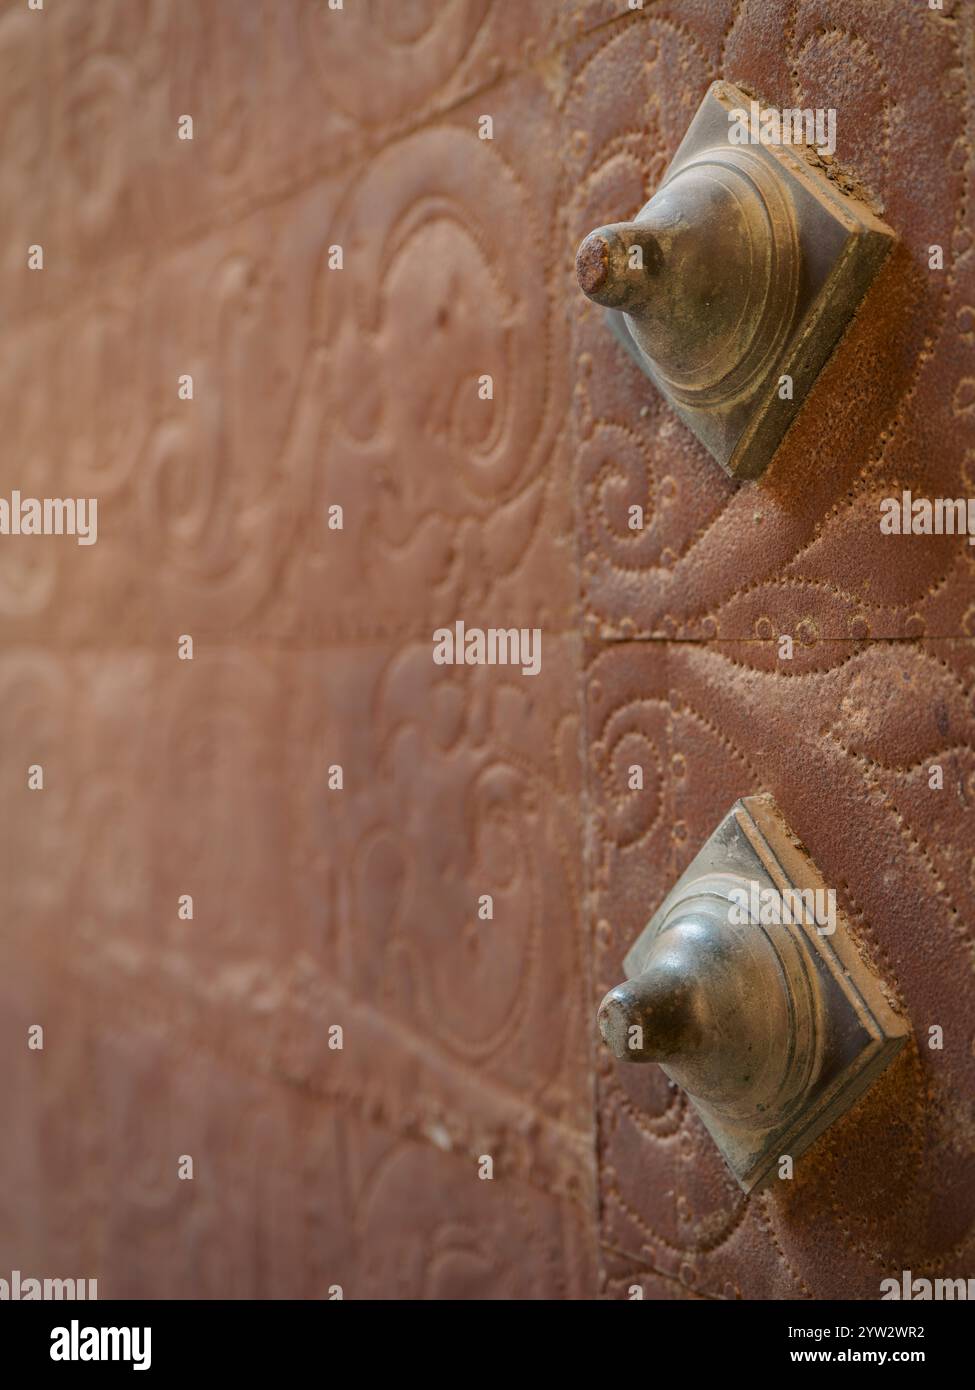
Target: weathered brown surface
(358,387)
(800,553)
(844,734)
(889,1187)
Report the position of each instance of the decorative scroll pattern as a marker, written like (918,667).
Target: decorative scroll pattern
(315,387)
(312,387)
(845,733)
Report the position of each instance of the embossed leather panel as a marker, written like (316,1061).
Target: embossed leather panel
(315,387)
(801,552)
(842,735)
(889,1186)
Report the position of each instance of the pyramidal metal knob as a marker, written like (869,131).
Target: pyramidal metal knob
(733,284)
(767,1016)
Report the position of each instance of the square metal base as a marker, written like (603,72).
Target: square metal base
(832,245)
(858,1031)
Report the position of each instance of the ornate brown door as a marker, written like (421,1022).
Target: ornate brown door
(403,414)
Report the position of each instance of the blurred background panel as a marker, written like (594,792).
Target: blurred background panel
(312,388)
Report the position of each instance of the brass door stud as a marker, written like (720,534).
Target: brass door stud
(748,989)
(733,284)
